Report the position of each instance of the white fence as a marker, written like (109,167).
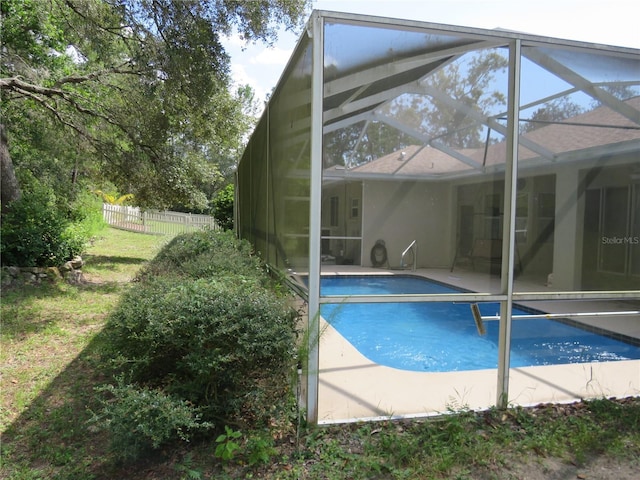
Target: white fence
(162,223)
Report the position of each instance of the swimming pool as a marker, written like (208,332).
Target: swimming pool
(442,336)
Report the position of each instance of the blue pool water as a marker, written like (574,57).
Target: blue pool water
(442,336)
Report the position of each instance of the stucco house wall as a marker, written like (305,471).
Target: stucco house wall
(400,212)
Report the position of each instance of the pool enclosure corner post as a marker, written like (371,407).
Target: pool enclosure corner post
(315,29)
(236,202)
(508,243)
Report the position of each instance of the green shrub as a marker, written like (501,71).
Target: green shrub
(33,231)
(223,207)
(141,419)
(206,254)
(42,230)
(205,325)
(86,214)
(227,444)
(224,344)
(260,448)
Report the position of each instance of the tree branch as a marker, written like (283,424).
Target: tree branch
(14,83)
(55,112)
(75,79)
(100,145)
(110,30)
(35,92)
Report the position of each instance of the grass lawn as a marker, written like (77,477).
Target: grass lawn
(49,369)
(47,362)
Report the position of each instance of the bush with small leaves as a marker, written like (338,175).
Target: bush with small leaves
(205,325)
(41,230)
(206,254)
(33,231)
(223,207)
(213,342)
(140,419)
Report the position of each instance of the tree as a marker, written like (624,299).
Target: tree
(140,86)
(455,96)
(471,83)
(553,111)
(223,207)
(10,190)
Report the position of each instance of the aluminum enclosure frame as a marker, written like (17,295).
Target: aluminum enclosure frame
(318,126)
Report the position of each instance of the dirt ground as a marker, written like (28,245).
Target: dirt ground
(599,468)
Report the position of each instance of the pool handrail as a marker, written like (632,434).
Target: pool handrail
(415,256)
(475,311)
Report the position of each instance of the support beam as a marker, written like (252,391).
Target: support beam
(573,78)
(509,236)
(315,231)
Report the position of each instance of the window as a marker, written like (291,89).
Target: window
(546,203)
(614,229)
(355,207)
(334,211)
(619,230)
(634,240)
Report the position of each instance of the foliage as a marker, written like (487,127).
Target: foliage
(113,199)
(42,230)
(217,343)
(206,254)
(227,444)
(45,397)
(205,326)
(140,419)
(551,112)
(187,470)
(34,232)
(472,83)
(133,92)
(87,221)
(223,207)
(259,448)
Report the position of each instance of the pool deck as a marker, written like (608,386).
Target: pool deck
(352,388)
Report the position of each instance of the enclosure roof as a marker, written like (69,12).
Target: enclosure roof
(375,66)
(419,25)
(373,79)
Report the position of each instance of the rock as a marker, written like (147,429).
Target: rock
(77,262)
(7,278)
(53,273)
(14,271)
(28,277)
(74,277)
(66,267)
(38,275)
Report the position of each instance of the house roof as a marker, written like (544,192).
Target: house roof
(584,136)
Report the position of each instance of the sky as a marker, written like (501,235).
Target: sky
(610,22)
